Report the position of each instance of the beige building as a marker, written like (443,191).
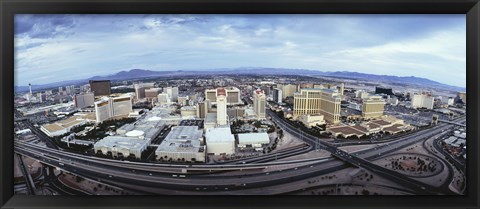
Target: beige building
(288,90)
(422,101)
(373,107)
(259,102)
(317,101)
(311,120)
(152,93)
(109,107)
(233,95)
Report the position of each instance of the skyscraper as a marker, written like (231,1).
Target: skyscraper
(259,103)
(373,107)
(100,88)
(422,101)
(222,107)
(313,101)
(233,97)
(84,100)
(277,95)
(172,93)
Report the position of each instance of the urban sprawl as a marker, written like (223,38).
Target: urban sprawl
(240,135)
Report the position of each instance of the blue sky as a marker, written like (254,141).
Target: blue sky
(50,48)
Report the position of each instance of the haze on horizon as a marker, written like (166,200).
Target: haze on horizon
(52,48)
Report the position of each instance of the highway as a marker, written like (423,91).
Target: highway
(357,160)
(153,178)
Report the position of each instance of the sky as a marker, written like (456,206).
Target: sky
(51,48)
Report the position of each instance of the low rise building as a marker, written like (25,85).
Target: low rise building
(253,140)
(121,146)
(220,140)
(182,144)
(63,126)
(311,120)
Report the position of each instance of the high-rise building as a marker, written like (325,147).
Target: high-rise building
(422,101)
(222,117)
(100,88)
(233,97)
(383,90)
(60,90)
(139,91)
(108,107)
(373,107)
(152,93)
(202,108)
(277,95)
(288,90)
(122,105)
(318,101)
(141,88)
(103,109)
(163,99)
(259,103)
(84,100)
(342,88)
(172,93)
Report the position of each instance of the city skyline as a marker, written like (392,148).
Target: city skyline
(48,48)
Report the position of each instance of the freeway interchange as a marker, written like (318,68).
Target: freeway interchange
(157,178)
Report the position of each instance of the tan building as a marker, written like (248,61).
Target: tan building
(373,107)
(202,108)
(317,101)
(259,102)
(423,101)
(152,93)
(288,90)
(311,120)
(233,95)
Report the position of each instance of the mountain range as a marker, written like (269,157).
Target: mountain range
(140,73)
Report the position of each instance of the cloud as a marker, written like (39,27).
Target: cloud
(81,46)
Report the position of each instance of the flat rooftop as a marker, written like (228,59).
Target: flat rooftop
(253,138)
(220,134)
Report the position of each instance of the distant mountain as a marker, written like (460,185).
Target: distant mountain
(411,80)
(140,73)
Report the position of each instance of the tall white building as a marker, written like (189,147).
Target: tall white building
(259,103)
(122,105)
(84,100)
(172,93)
(103,109)
(163,99)
(220,141)
(108,107)
(422,101)
(222,117)
(277,95)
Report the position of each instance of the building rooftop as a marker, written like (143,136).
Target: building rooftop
(184,133)
(221,92)
(122,142)
(182,139)
(253,138)
(220,134)
(211,118)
